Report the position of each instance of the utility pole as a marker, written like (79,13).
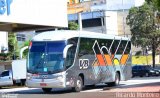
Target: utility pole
(80,21)
(102,22)
(123,19)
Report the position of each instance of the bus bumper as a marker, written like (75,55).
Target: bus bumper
(48,83)
(57,81)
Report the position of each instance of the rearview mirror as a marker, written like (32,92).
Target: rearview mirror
(66,49)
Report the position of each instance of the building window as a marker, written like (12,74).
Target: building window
(21,37)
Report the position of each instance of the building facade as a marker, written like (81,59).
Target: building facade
(103,16)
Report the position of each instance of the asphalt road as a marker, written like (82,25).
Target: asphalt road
(146,87)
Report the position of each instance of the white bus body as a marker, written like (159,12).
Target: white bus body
(61,59)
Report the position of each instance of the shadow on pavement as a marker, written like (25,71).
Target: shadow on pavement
(101,87)
(140,85)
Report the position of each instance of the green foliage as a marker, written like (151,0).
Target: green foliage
(26,43)
(156,3)
(4,56)
(13,46)
(144,27)
(25,53)
(13,50)
(73,26)
(141,22)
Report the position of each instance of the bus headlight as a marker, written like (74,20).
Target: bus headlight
(60,77)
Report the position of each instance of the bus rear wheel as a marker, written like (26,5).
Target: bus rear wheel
(116,82)
(117,79)
(47,90)
(78,84)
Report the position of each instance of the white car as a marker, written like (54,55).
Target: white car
(6,78)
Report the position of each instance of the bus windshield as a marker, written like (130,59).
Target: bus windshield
(46,57)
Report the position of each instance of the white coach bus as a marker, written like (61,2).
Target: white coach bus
(74,59)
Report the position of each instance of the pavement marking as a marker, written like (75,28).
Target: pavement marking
(16,89)
(92,90)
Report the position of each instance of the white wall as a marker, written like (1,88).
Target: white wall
(3,40)
(115,23)
(111,26)
(118,4)
(37,12)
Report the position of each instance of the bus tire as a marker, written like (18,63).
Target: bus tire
(78,84)
(47,90)
(117,79)
(116,82)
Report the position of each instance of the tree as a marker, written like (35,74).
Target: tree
(25,53)
(13,51)
(156,3)
(73,26)
(144,27)
(13,46)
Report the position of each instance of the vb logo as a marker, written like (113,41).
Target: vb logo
(83,63)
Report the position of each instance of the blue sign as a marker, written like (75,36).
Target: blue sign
(5,7)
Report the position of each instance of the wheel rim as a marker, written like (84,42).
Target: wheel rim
(79,84)
(117,80)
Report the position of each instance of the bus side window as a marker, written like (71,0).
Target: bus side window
(83,52)
(128,48)
(70,56)
(85,48)
(121,47)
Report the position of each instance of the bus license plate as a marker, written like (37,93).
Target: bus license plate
(43,84)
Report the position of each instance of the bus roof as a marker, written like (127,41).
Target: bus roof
(67,34)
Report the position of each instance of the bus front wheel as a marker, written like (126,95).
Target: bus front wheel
(78,84)
(47,90)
